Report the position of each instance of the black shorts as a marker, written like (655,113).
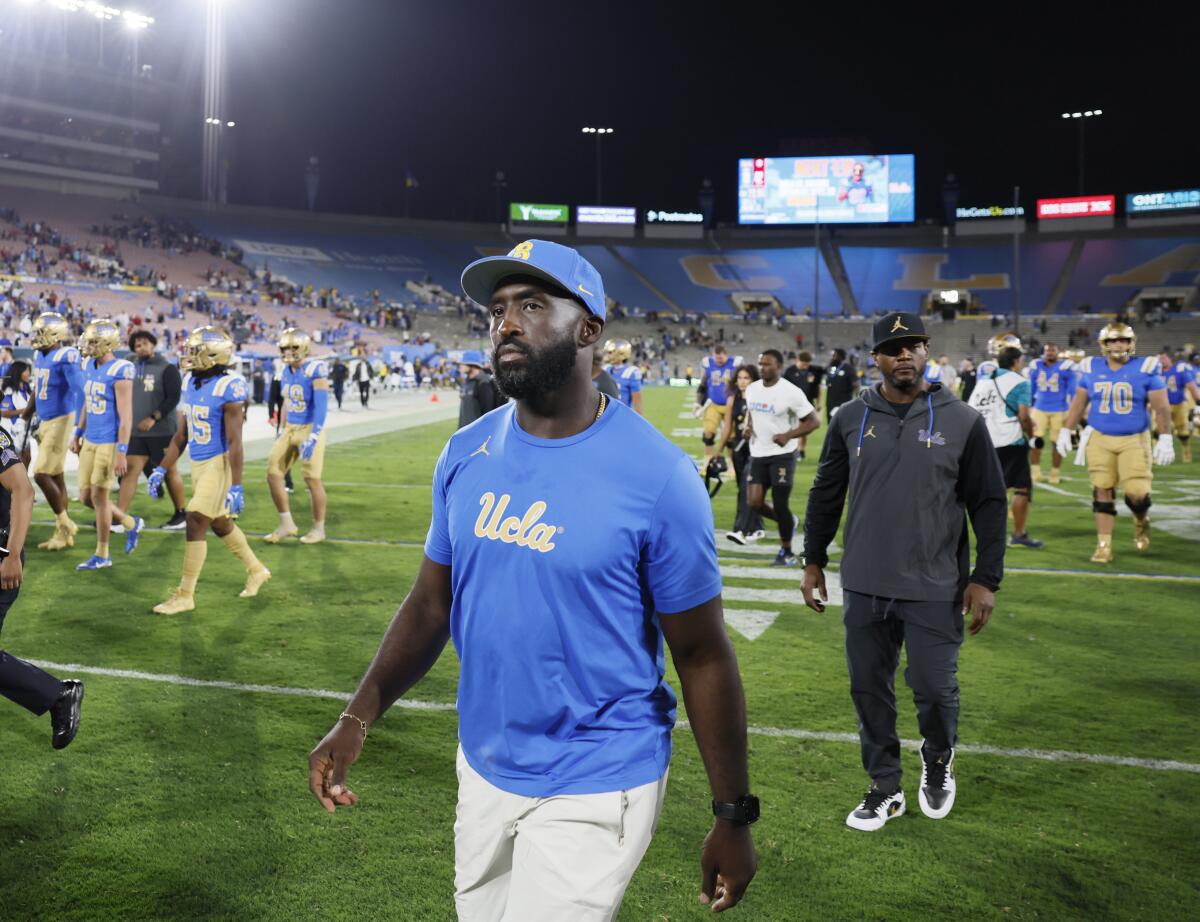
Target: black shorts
(773,470)
(150,446)
(1014,461)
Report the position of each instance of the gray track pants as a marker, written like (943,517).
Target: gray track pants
(931,633)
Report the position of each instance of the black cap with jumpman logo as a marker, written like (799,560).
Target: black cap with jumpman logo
(897,325)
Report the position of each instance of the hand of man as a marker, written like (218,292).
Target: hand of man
(120,463)
(1164,449)
(306,450)
(76,444)
(235,499)
(154,483)
(978,601)
(10,572)
(728,863)
(780,439)
(811,584)
(328,762)
(1063,444)
(698,410)
(147,424)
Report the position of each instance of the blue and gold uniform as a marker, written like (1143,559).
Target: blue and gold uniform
(1177,379)
(58,389)
(1118,450)
(1052,385)
(629,380)
(304,406)
(717,377)
(203,406)
(102,421)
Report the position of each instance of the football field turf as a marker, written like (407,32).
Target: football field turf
(185,799)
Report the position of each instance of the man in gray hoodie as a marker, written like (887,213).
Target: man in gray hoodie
(917,462)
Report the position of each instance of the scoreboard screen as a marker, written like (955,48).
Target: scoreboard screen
(856,189)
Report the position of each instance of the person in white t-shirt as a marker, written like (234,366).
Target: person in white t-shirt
(780,414)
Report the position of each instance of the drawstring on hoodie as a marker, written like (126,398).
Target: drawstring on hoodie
(929,433)
(862,428)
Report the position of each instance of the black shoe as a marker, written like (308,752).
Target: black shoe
(784,559)
(176,522)
(64,713)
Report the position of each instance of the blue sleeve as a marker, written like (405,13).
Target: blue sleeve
(437,541)
(1155,382)
(74,375)
(1023,394)
(1033,374)
(320,407)
(680,554)
(635,381)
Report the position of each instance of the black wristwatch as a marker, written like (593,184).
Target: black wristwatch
(742,812)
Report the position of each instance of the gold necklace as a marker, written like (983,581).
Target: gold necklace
(601,408)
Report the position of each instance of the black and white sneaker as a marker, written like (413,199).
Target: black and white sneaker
(177,522)
(736,537)
(937,783)
(876,809)
(784,559)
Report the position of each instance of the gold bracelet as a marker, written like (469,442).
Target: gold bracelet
(362,723)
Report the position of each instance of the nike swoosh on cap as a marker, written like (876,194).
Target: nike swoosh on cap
(584,290)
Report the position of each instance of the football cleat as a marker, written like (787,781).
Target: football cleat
(936,796)
(1055,477)
(315,536)
(57,542)
(1024,541)
(736,537)
(177,603)
(1035,474)
(254,582)
(1103,552)
(131,536)
(95,562)
(876,809)
(279,534)
(1141,534)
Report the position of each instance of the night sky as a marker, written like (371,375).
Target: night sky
(455,91)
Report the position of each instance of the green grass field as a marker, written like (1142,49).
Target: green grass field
(185,801)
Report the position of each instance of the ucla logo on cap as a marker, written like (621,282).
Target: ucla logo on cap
(522,250)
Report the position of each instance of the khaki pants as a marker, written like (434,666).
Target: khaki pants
(547,859)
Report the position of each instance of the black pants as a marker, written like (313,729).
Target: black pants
(275,402)
(339,388)
(931,633)
(364,391)
(747,520)
(20,681)
(777,472)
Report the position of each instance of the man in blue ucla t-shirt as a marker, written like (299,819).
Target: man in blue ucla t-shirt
(1118,390)
(568,540)
(211,409)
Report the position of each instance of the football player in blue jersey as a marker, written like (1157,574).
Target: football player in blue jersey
(102,436)
(57,394)
(211,412)
(1115,389)
(626,373)
(1183,395)
(570,546)
(305,387)
(989,366)
(1052,383)
(716,382)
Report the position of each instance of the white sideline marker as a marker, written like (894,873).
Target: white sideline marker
(1041,755)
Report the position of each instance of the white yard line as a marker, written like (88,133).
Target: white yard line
(1042,755)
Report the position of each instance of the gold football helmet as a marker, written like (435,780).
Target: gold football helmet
(1110,341)
(294,345)
(50,329)
(1074,355)
(998,344)
(208,347)
(617,351)
(100,337)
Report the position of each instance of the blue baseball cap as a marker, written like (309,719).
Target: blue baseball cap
(471,357)
(553,262)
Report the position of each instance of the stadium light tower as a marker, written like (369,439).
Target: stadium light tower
(599,133)
(1081,118)
(214,98)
